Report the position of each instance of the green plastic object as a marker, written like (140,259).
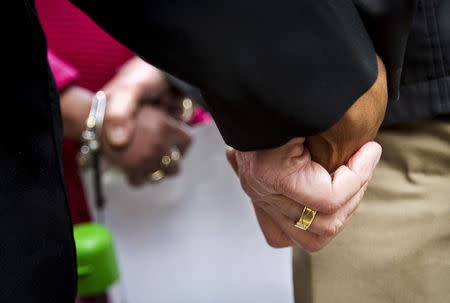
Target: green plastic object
(96,258)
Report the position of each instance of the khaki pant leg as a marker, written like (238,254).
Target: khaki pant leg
(396,249)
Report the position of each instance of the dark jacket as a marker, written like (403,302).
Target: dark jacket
(269,71)
(425,82)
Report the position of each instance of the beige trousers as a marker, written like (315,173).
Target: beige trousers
(396,248)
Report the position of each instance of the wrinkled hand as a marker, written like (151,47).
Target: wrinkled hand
(281,181)
(358,126)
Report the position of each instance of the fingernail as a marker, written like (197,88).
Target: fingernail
(117,135)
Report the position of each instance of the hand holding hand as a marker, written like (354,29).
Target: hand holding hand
(137,83)
(137,134)
(282,181)
(155,135)
(358,126)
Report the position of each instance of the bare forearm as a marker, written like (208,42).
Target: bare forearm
(75,106)
(358,126)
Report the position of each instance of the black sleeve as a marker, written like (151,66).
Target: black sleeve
(269,70)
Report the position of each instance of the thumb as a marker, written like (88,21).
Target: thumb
(119,115)
(231,157)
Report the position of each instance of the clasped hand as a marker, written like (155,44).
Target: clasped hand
(280,182)
(328,173)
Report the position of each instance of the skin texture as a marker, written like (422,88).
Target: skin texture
(136,132)
(281,181)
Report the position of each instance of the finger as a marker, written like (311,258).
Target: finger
(136,82)
(179,135)
(331,225)
(171,102)
(323,228)
(323,224)
(231,157)
(135,178)
(289,170)
(313,186)
(288,207)
(348,180)
(273,234)
(120,110)
(309,241)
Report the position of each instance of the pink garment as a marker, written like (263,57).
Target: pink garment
(64,73)
(74,38)
(201,117)
(83,53)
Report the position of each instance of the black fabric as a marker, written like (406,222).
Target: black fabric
(268,71)
(388,23)
(425,84)
(36,244)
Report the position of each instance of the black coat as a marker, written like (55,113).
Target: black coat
(269,71)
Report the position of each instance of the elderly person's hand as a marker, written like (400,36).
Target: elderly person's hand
(282,181)
(287,185)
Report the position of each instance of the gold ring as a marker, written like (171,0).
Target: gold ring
(188,110)
(166,161)
(172,157)
(306,219)
(156,176)
(175,154)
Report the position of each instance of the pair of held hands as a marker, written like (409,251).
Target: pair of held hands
(328,172)
(142,120)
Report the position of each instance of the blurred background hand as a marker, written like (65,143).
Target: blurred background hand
(140,125)
(155,135)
